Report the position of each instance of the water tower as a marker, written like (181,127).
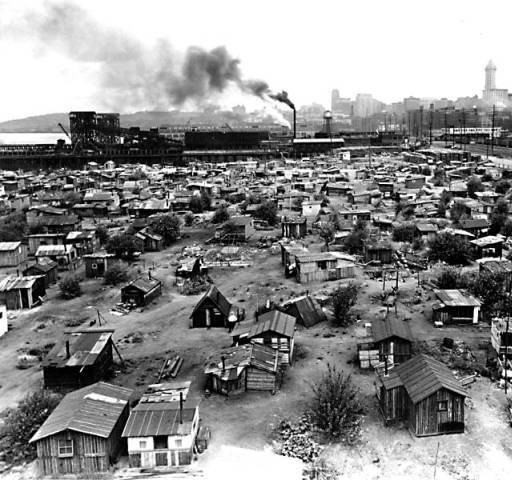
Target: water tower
(328,123)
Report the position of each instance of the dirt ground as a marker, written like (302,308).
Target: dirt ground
(246,420)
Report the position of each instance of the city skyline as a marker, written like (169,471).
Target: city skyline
(300,50)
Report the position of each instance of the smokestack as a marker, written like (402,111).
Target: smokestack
(181,407)
(67,349)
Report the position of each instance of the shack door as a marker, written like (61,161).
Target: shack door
(100,269)
(25,302)
(146,460)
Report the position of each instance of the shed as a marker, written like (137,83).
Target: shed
(424,393)
(489,246)
(244,367)
(390,341)
(294,227)
(12,254)
(275,329)
(212,310)
(80,358)
(96,264)
(455,306)
(141,292)
(22,292)
(305,309)
(83,434)
(46,268)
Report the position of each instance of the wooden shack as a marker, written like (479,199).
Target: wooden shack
(96,264)
(274,329)
(141,291)
(455,306)
(389,342)
(378,252)
(12,254)
(243,368)
(83,434)
(79,358)
(294,227)
(424,393)
(320,267)
(213,310)
(489,246)
(22,292)
(46,268)
(305,309)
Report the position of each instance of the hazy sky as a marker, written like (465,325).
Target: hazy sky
(390,48)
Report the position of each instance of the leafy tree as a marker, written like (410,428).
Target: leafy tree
(474,184)
(354,243)
(267,211)
(327,234)
(22,422)
(102,234)
(124,246)
(71,198)
(342,300)
(206,200)
(115,274)
(490,289)
(13,227)
(37,227)
(221,215)
(448,248)
(335,407)
(195,204)
(451,278)
(444,201)
(404,233)
(457,212)
(189,219)
(70,286)
(506,229)
(166,225)
(499,216)
(502,186)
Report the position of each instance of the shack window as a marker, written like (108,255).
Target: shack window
(65,448)
(178,442)
(143,444)
(442,406)
(322,265)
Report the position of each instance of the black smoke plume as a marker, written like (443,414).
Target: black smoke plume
(133,75)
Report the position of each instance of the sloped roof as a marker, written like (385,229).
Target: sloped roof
(9,246)
(456,298)
(310,313)
(213,294)
(154,419)
(391,326)
(84,348)
(144,284)
(93,410)
(13,282)
(273,321)
(422,376)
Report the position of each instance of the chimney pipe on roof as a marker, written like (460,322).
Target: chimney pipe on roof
(67,349)
(181,407)
(223,358)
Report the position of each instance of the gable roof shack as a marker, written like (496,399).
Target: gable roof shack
(389,327)
(93,410)
(305,310)
(86,421)
(204,310)
(81,357)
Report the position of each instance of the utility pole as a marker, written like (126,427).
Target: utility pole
(464,127)
(445,130)
(430,125)
(492,129)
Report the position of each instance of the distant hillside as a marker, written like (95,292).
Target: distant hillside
(49,123)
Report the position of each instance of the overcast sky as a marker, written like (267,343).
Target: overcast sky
(392,48)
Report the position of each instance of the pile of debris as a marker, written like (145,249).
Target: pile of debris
(295,440)
(196,285)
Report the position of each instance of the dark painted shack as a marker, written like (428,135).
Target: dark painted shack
(211,311)
(141,292)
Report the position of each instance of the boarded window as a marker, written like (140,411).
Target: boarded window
(65,448)
(442,406)
(143,444)
(135,460)
(161,459)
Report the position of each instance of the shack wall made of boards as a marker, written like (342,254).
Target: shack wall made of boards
(90,453)
(393,403)
(426,418)
(261,380)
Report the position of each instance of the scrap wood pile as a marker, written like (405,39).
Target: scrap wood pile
(170,367)
(196,285)
(295,440)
